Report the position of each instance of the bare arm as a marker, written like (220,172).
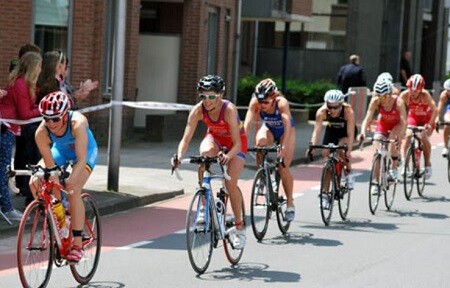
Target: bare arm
(432,106)
(373,106)
(44,143)
(402,109)
(441,104)
(320,117)
(283,107)
(251,116)
(194,117)
(350,118)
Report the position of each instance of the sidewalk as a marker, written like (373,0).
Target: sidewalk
(145,178)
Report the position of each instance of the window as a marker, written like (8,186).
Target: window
(51,24)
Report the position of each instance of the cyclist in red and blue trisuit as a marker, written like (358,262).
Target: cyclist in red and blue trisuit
(225,130)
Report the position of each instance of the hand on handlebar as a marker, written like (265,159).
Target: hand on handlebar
(223,158)
(175,162)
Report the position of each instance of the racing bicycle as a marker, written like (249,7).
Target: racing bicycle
(265,198)
(218,221)
(414,167)
(40,238)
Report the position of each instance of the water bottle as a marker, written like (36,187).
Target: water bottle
(60,215)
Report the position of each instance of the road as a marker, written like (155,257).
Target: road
(405,247)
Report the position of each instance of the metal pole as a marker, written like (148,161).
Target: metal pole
(237,51)
(287,26)
(115,119)
(255,47)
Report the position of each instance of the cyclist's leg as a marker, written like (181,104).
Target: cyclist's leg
(235,167)
(208,148)
(393,147)
(263,138)
(285,172)
(377,144)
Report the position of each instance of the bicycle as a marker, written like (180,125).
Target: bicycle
(339,191)
(265,197)
(218,222)
(380,177)
(414,170)
(41,241)
(441,124)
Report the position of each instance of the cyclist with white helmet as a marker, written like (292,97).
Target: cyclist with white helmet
(391,119)
(444,105)
(421,112)
(269,105)
(340,128)
(225,130)
(61,137)
(388,76)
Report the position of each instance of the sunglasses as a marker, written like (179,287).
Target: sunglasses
(209,97)
(333,107)
(54,120)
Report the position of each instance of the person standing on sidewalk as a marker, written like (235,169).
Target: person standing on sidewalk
(18,103)
(340,129)
(405,67)
(225,130)
(351,75)
(278,127)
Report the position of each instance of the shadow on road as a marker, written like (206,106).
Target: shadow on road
(417,213)
(300,238)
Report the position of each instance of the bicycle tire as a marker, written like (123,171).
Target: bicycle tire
(374,198)
(92,242)
(260,209)
(233,255)
(324,212)
(199,240)
(344,198)
(283,225)
(35,257)
(389,192)
(421,175)
(409,174)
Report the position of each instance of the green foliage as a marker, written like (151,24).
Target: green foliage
(296,91)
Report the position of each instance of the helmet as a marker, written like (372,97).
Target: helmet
(385,75)
(334,96)
(265,89)
(415,82)
(54,105)
(382,86)
(447,84)
(211,83)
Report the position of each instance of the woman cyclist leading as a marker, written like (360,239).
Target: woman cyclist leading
(225,130)
(61,137)
(278,126)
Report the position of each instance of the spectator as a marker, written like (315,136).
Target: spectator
(29,47)
(27,132)
(405,67)
(351,75)
(18,103)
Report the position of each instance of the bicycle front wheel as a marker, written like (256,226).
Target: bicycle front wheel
(92,242)
(409,172)
(233,255)
(283,225)
(35,246)
(260,205)
(421,175)
(374,184)
(389,192)
(327,192)
(199,236)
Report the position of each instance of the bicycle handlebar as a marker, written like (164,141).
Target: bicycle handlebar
(267,149)
(441,123)
(203,160)
(38,171)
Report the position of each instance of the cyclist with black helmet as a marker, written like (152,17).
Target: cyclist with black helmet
(391,119)
(62,137)
(421,112)
(340,129)
(444,105)
(225,130)
(277,126)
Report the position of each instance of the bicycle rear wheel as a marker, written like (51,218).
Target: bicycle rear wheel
(326,210)
(199,236)
(389,192)
(421,175)
(283,225)
(92,242)
(260,205)
(409,174)
(233,255)
(374,184)
(35,247)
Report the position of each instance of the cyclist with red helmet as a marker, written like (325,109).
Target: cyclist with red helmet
(272,108)
(225,130)
(61,137)
(421,112)
(444,105)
